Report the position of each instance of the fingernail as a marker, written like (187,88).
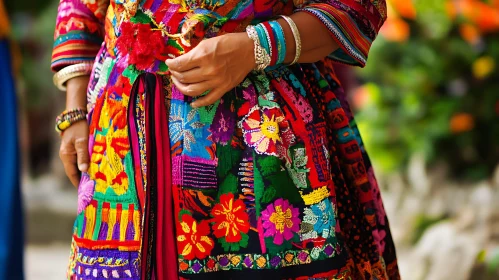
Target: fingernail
(194,105)
(83,167)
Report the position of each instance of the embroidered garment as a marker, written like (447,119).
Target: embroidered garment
(270,182)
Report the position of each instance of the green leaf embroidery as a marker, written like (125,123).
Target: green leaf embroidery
(182,212)
(234,246)
(163,67)
(140,17)
(207,113)
(269,165)
(268,195)
(131,73)
(229,184)
(274,248)
(244,240)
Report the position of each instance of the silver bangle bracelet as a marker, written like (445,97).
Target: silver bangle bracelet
(296,35)
(72,71)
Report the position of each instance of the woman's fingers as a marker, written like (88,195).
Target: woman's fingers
(193,90)
(214,65)
(81,145)
(67,153)
(190,60)
(74,151)
(192,76)
(183,63)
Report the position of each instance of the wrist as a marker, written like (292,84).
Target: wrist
(261,58)
(248,47)
(68,118)
(76,93)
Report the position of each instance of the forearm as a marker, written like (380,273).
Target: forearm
(316,41)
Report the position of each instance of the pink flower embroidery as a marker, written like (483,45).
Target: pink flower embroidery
(261,129)
(379,238)
(85,192)
(280,221)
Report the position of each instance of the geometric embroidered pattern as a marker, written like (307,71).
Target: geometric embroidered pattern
(259,261)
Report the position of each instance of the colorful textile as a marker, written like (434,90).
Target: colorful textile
(270,182)
(353,24)
(79,31)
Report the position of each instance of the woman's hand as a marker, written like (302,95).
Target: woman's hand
(74,141)
(216,65)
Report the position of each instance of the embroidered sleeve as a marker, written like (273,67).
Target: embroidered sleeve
(353,24)
(79,31)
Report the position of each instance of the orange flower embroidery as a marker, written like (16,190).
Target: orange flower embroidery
(193,240)
(230,218)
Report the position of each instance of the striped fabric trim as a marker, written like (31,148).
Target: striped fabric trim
(354,45)
(374,16)
(74,47)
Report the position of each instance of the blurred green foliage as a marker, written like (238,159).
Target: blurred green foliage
(493,263)
(432,88)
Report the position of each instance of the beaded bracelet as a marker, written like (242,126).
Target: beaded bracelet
(262,58)
(69,117)
(264,39)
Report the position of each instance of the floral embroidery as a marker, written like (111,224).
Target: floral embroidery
(193,240)
(186,127)
(319,220)
(85,192)
(297,169)
(107,162)
(261,129)
(280,221)
(230,218)
(223,124)
(143,45)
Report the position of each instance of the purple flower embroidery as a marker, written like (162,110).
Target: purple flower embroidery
(223,125)
(280,221)
(85,192)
